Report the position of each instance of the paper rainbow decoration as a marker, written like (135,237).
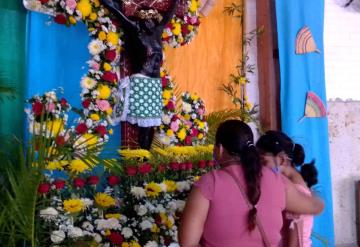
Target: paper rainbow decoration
(305,42)
(314,106)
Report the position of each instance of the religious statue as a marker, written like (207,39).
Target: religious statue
(140,94)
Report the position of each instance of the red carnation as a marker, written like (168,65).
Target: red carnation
(93,180)
(86,103)
(189,166)
(116,238)
(44,188)
(60,140)
(60,19)
(113,180)
(174,166)
(194,132)
(110,55)
(59,184)
(170,105)
(201,164)
(79,182)
(131,170)
(182,166)
(101,130)
(211,163)
(81,128)
(188,140)
(145,168)
(164,82)
(110,77)
(161,168)
(37,108)
(185,30)
(63,102)
(44,1)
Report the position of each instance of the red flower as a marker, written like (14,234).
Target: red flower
(93,180)
(44,188)
(164,82)
(110,55)
(44,1)
(131,170)
(79,182)
(101,130)
(113,180)
(174,166)
(185,30)
(60,140)
(116,238)
(86,103)
(158,220)
(110,77)
(194,132)
(188,140)
(37,108)
(211,163)
(63,102)
(115,22)
(174,118)
(182,166)
(170,105)
(201,164)
(59,184)
(145,168)
(161,168)
(81,128)
(60,19)
(189,166)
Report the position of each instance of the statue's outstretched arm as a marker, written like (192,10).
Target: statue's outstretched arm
(115,8)
(169,14)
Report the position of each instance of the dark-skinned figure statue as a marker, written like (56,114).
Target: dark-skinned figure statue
(140,94)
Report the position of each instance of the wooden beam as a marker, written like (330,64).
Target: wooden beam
(268,66)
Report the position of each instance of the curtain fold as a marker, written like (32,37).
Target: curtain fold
(300,74)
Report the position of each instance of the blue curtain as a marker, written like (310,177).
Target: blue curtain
(299,74)
(56,58)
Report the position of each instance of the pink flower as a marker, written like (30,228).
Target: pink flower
(174,126)
(50,107)
(71,4)
(94,65)
(201,111)
(103,105)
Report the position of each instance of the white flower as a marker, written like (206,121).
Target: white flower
(87,82)
(51,96)
(174,245)
(166,119)
(88,226)
(172,206)
(140,210)
(183,186)
(57,237)
(145,224)
(151,244)
(165,140)
(160,208)
(96,46)
(127,232)
(112,223)
(180,204)
(138,192)
(49,213)
(75,232)
(163,187)
(87,202)
(186,107)
(193,116)
(97,237)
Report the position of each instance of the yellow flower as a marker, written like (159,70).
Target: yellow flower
(55,126)
(169,133)
(95,117)
(73,205)
(176,30)
(152,189)
(163,217)
(190,27)
(96,3)
(111,131)
(166,94)
(162,73)
(102,35)
(109,111)
(155,229)
(164,35)
(200,136)
(170,185)
(72,20)
(194,97)
(160,151)
(201,124)
(107,67)
(115,216)
(139,154)
(197,178)
(134,244)
(248,106)
(125,244)
(193,6)
(93,16)
(204,149)
(90,29)
(181,134)
(169,223)
(187,117)
(165,101)
(104,92)
(107,232)
(242,80)
(84,7)
(78,166)
(181,151)
(91,140)
(113,38)
(104,200)
(56,165)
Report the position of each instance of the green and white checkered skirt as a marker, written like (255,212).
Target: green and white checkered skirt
(139,101)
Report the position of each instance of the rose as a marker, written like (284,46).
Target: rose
(44,188)
(86,103)
(182,166)
(189,166)
(59,184)
(110,77)
(63,102)
(79,182)
(131,170)
(170,105)
(101,130)
(60,140)
(174,166)
(71,4)
(81,128)
(211,163)
(93,180)
(194,132)
(103,104)
(113,180)
(60,19)
(116,238)
(37,108)
(144,168)
(188,140)
(201,164)
(110,55)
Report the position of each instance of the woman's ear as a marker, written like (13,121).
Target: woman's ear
(218,151)
(283,159)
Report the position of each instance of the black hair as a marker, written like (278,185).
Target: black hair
(237,138)
(275,142)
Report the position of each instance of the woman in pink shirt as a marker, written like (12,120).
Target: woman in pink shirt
(240,204)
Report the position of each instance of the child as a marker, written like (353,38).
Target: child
(280,153)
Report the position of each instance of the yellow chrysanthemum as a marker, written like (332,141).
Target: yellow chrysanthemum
(78,166)
(93,16)
(72,20)
(55,126)
(200,136)
(187,117)
(169,133)
(107,67)
(176,30)
(204,149)
(166,94)
(194,5)
(160,151)
(201,124)
(95,117)
(102,35)
(155,229)
(104,200)
(115,216)
(125,244)
(181,134)
(194,97)
(139,154)
(170,185)
(109,111)
(91,140)
(104,92)
(162,73)
(96,3)
(84,7)
(56,165)
(113,38)
(164,35)
(165,101)
(134,244)
(152,189)
(190,27)
(73,206)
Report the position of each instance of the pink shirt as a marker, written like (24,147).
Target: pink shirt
(226,223)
